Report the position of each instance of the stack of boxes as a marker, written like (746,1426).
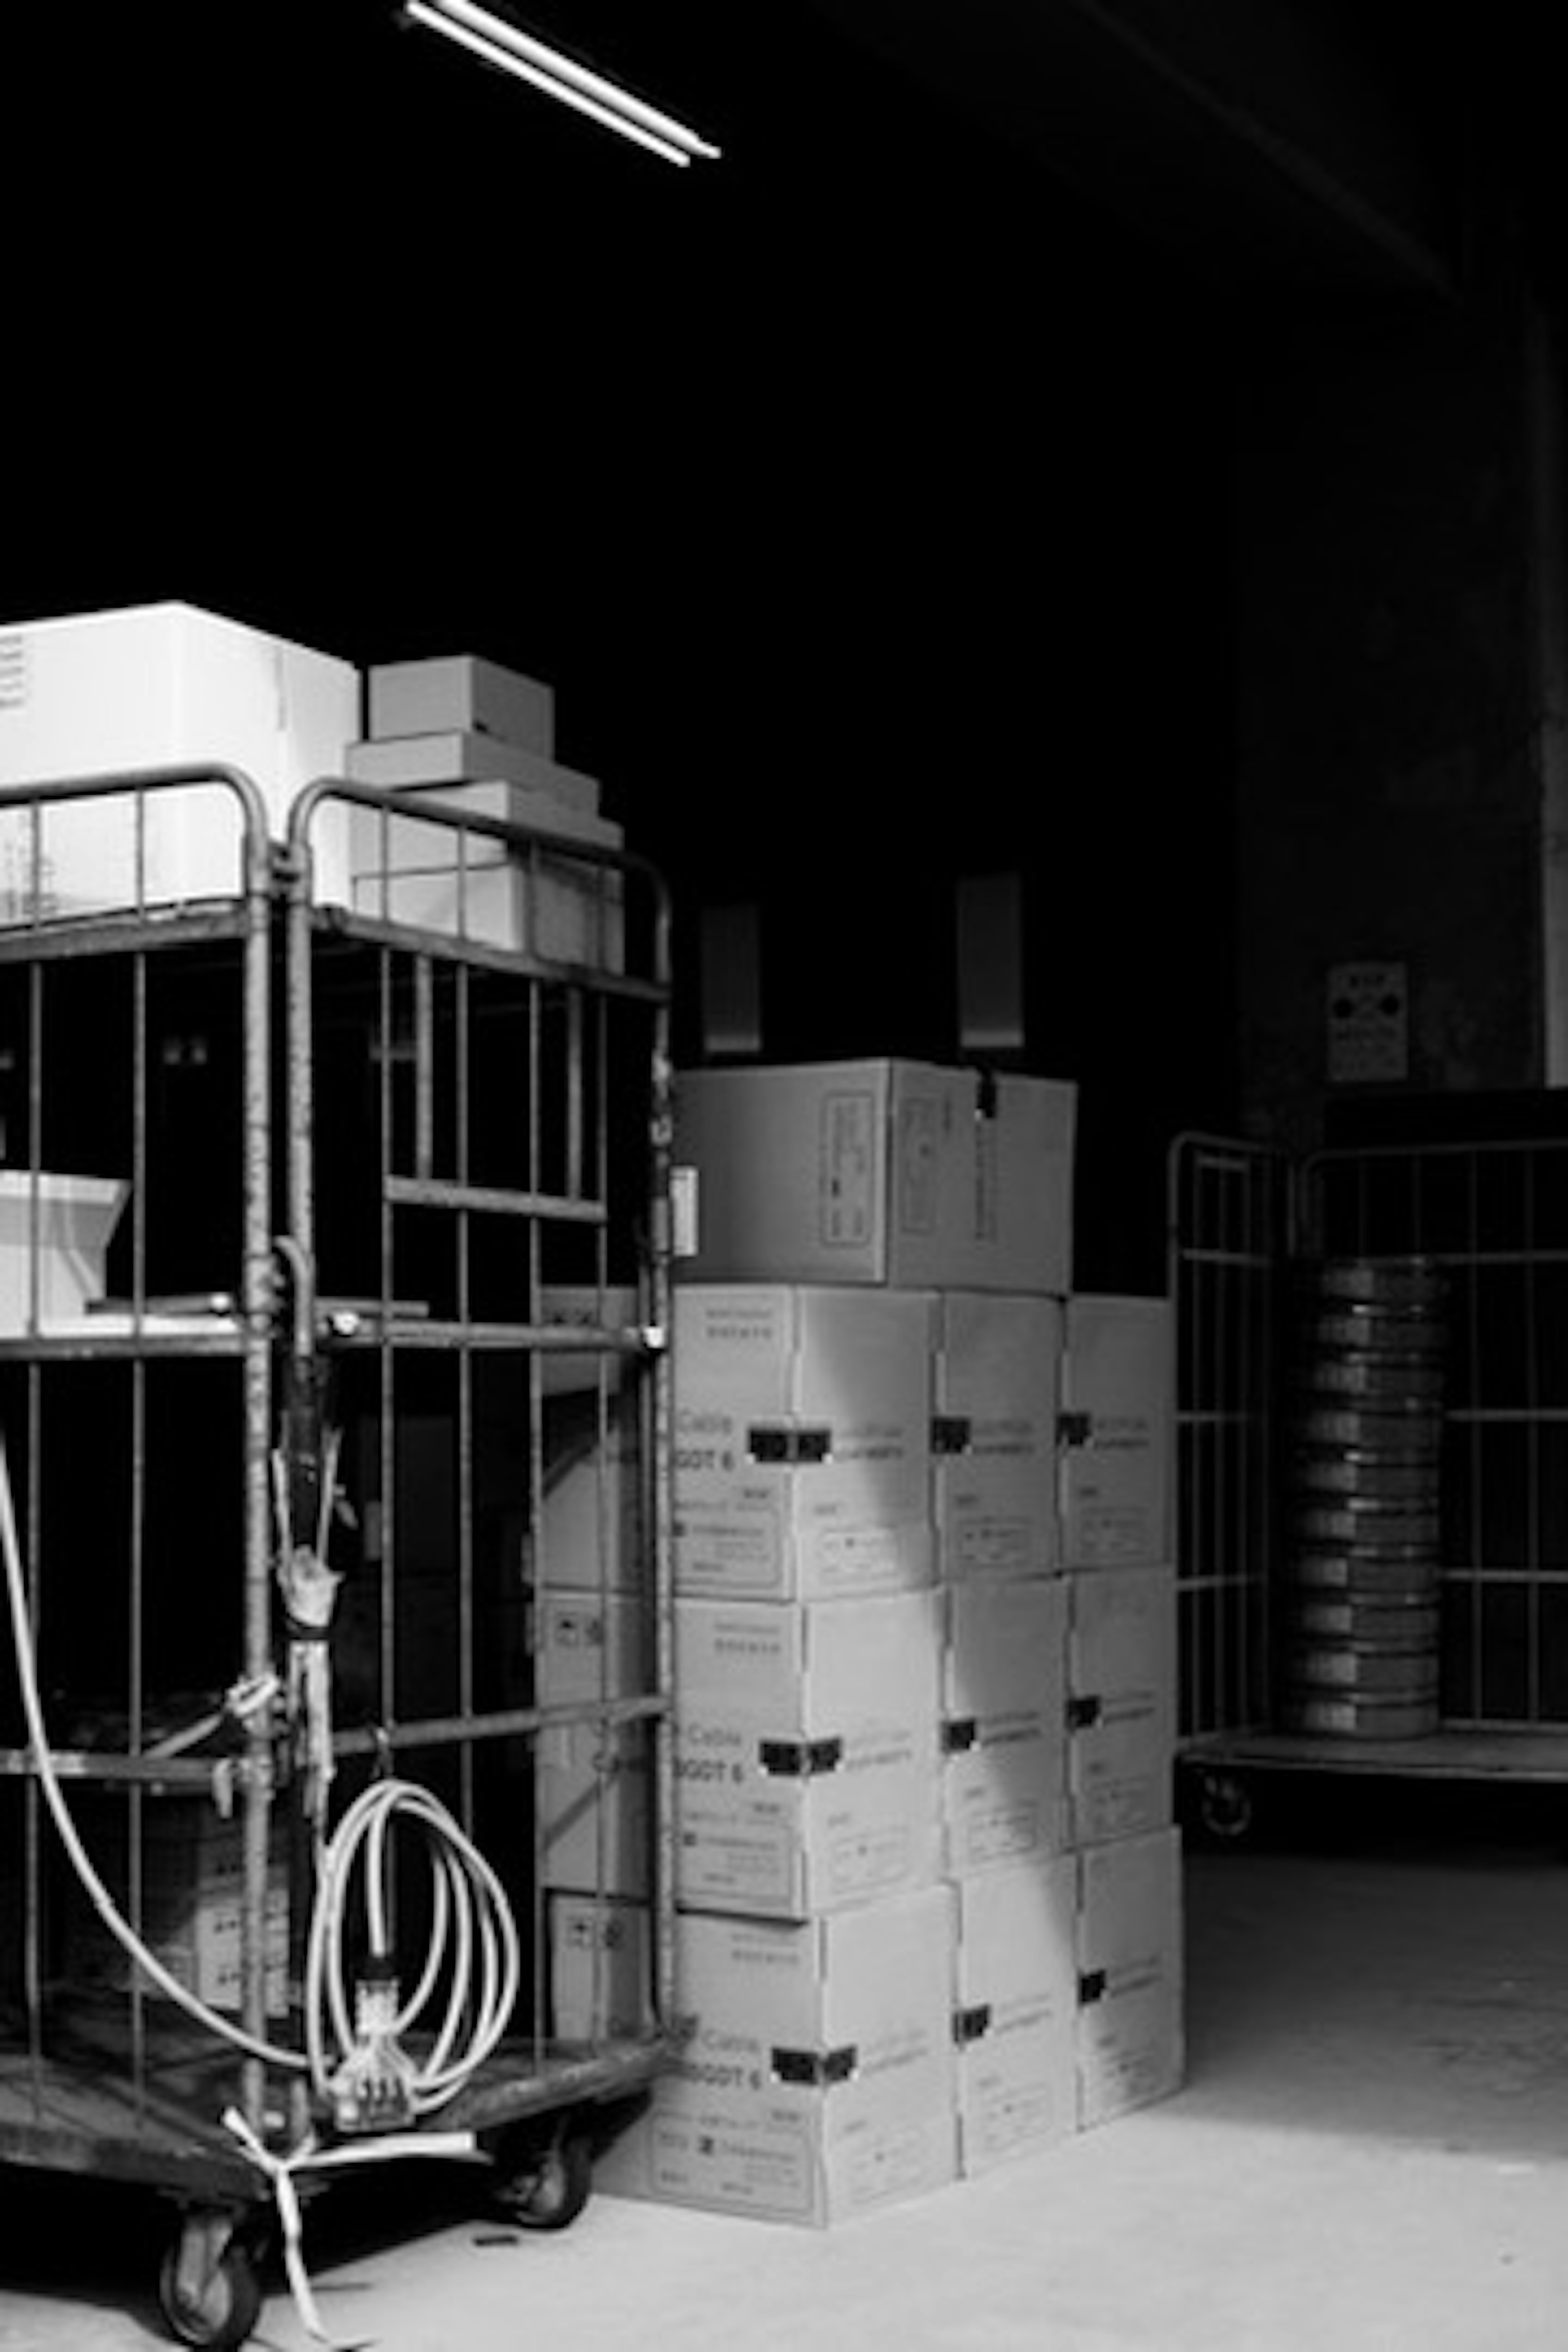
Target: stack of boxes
(463,734)
(926,1878)
(145,686)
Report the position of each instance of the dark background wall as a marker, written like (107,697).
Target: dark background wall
(870,499)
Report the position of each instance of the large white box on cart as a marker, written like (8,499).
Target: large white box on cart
(151,686)
(879,1172)
(996,1377)
(1118,1416)
(812,2078)
(802,1466)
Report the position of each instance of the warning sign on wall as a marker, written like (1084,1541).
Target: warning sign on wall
(1369,1024)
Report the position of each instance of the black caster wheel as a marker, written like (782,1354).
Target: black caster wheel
(209,2290)
(543,2182)
(1225,1806)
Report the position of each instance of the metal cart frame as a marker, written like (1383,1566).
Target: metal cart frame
(1495,1216)
(234,2130)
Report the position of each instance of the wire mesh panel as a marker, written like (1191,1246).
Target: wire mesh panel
(477,1081)
(1228,1233)
(1494,1216)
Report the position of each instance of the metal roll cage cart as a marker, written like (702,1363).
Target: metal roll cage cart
(299,1441)
(1492,1215)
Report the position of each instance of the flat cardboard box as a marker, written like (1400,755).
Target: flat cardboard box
(441,692)
(457,757)
(150,686)
(1131,2029)
(420,827)
(997,1369)
(1004,1738)
(806,1751)
(55,1232)
(1017,2015)
(813,2075)
(802,1465)
(1121,1705)
(1117,1404)
(880,1172)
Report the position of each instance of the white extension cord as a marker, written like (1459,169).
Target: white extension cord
(352,2051)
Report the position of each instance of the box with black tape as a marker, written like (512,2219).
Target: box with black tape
(802,1464)
(812,2074)
(805,1741)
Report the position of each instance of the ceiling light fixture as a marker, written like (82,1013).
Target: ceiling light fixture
(502,43)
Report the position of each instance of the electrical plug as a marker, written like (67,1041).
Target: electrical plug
(373,2088)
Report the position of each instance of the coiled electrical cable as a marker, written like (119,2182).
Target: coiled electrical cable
(469,1913)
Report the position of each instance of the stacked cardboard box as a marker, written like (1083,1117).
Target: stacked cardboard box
(927,1883)
(461,734)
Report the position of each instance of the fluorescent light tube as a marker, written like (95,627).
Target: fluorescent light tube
(503,44)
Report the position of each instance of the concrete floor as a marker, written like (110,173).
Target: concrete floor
(1371,2151)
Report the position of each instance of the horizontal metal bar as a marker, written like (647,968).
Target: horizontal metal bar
(66,939)
(94,1764)
(492,1200)
(455,1730)
(1250,1261)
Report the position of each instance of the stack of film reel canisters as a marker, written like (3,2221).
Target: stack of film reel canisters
(1359,1649)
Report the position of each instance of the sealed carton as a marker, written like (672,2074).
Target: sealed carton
(459,757)
(55,1232)
(805,1752)
(1118,1412)
(1004,1741)
(812,2078)
(1121,1705)
(440,692)
(802,1465)
(882,1171)
(1014,2025)
(1130,2034)
(996,1370)
(152,685)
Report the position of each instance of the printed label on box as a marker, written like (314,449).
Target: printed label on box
(847,1186)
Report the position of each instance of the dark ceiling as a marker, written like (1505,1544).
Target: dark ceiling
(864,493)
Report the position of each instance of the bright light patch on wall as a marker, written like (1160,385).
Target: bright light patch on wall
(498,42)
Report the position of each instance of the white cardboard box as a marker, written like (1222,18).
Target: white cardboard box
(600,1968)
(1004,1723)
(562,913)
(590,1534)
(802,1440)
(159,686)
(806,1751)
(1131,2031)
(590,1645)
(1121,1707)
(879,1172)
(459,756)
(65,1227)
(1118,1411)
(594,1800)
(996,1370)
(404,836)
(445,691)
(1017,2014)
(812,2072)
